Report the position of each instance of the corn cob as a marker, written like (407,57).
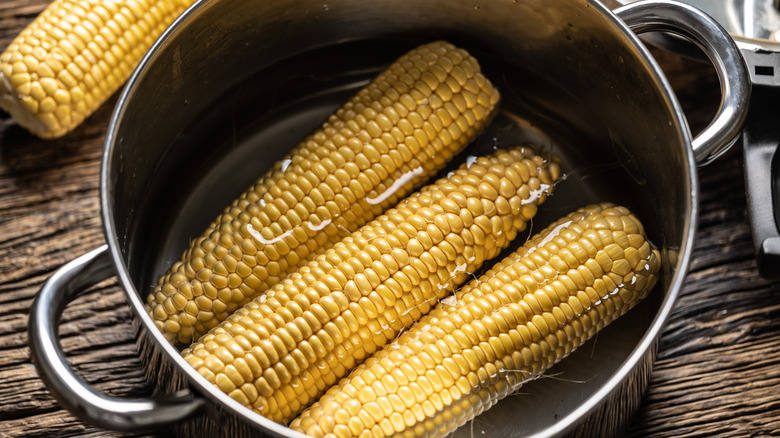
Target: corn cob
(74,56)
(524,315)
(279,352)
(393,135)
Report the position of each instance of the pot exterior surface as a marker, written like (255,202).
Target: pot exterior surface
(234,84)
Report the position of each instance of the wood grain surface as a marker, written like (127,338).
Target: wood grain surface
(718,366)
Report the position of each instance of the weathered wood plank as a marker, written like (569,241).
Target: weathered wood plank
(718,367)
(15,15)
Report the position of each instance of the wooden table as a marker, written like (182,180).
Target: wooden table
(718,367)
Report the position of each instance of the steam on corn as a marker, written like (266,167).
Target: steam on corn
(527,313)
(388,139)
(74,56)
(281,351)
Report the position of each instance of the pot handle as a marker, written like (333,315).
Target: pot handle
(68,388)
(693,24)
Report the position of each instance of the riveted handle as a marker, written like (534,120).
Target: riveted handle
(68,388)
(693,24)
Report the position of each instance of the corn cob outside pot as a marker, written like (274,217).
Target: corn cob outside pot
(509,326)
(281,351)
(383,143)
(74,56)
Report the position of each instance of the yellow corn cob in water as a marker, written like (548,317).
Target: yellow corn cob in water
(527,313)
(74,56)
(393,135)
(281,351)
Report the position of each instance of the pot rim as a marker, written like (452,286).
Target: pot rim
(209,391)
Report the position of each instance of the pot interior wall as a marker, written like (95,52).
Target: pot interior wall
(242,81)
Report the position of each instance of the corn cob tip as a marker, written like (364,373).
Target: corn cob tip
(73,56)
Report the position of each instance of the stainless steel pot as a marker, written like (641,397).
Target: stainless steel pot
(233,83)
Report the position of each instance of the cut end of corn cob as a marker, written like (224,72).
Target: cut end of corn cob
(281,351)
(527,313)
(383,143)
(74,56)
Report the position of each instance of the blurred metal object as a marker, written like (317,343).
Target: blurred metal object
(761,146)
(749,22)
(745,19)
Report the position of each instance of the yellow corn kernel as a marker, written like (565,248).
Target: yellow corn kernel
(499,331)
(74,56)
(340,177)
(348,313)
